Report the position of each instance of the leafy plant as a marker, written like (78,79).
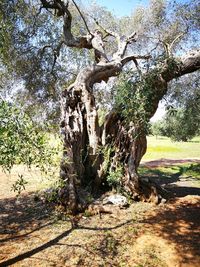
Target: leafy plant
(179,124)
(115,176)
(20,140)
(106,151)
(22,143)
(19,185)
(133,98)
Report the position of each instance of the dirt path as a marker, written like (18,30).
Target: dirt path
(168,162)
(141,236)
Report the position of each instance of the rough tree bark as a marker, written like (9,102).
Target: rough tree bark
(83,162)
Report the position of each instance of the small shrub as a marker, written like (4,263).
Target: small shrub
(115,176)
(19,185)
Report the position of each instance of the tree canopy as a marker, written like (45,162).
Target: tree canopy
(33,50)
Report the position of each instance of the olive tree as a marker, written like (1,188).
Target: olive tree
(92,151)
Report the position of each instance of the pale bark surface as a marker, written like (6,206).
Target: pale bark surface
(83,162)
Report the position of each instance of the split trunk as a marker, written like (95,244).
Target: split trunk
(91,152)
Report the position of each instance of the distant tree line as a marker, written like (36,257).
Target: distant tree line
(178,124)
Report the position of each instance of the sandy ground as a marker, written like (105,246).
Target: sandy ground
(143,235)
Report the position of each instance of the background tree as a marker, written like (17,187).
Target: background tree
(182,119)
(92,152)
(179,125)
(181,122)
(157,128)
(20,141)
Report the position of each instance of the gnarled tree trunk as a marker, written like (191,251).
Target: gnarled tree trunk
(83,162)
(82,159)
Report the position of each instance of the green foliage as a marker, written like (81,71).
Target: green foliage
(193,170)
(5,34)
(21,142)
(156,128)
(19,185)
(133,98)
(158,12)
(182,119)
(106,151)
(51,194)
(114,177)
(101,115)
(114,174)
(178,124)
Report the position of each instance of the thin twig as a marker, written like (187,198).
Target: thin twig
(44,48)
(108,32)
(176,38)
(81,16)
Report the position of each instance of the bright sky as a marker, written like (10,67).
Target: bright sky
(159,113)
(119,7)
(122,7)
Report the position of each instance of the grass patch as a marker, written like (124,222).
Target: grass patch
(170,174)
(163,147)
(192,170)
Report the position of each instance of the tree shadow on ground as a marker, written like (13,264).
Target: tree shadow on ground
(19,218)
(29,216)
(182,191)
(55,241)
(23,213)
(174,178)
(179,224)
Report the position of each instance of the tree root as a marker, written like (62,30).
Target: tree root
(148,191)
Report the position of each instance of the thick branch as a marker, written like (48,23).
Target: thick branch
(98,73)
(189,63)
(122,42)
(134,58)
(108,32)
(92,40)
(70,40)
(61,9)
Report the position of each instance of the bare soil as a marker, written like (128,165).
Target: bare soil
(143,235)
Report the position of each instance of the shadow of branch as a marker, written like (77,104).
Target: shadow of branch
(55,241)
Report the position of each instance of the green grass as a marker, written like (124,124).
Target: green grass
(185,169)
(171,174)
(191,170)
(163,147)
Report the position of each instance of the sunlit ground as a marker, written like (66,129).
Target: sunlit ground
(163,147)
